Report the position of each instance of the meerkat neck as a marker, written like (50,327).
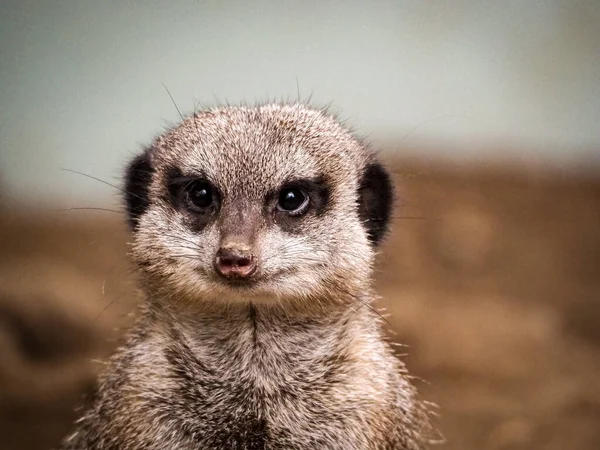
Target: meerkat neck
(269,333)
(257,315)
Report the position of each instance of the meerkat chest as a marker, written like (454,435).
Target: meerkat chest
(253,394)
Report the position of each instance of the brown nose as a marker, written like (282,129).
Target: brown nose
(232,263)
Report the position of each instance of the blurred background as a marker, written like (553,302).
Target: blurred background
(487,112)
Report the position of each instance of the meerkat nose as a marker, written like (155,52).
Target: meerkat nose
(233,263)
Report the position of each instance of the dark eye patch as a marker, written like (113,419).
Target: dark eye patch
(194,195)
(289,219)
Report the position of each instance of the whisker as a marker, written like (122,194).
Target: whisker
(409,218)
(185,247)
(183,239)
(89,209)
(396,218)
(433,119)
(297,89)
(125,191)
(172,100)
(370,307)
(184,256)
(103,310)
(180,247)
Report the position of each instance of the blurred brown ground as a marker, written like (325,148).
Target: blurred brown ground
(491,278)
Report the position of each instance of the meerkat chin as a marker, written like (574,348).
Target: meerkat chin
(255,229)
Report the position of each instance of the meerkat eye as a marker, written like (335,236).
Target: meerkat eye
(199,195)
(292,200)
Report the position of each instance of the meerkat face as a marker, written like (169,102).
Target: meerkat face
(272,203)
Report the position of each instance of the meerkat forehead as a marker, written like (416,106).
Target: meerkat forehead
(248,150)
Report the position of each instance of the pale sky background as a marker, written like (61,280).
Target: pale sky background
(81,81)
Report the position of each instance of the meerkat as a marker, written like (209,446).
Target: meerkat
(255,231)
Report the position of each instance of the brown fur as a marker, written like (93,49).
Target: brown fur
(295,359)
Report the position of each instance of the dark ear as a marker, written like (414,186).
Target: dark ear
(137,181)
(375,199)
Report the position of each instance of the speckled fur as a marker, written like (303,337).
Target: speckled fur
(296,360)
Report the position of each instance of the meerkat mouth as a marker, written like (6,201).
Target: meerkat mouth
(259,283)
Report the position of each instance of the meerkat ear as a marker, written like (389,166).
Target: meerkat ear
(375,199)
(137,180)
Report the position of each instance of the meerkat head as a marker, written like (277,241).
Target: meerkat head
(273,203)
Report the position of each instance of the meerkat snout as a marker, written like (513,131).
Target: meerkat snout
(235,263)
